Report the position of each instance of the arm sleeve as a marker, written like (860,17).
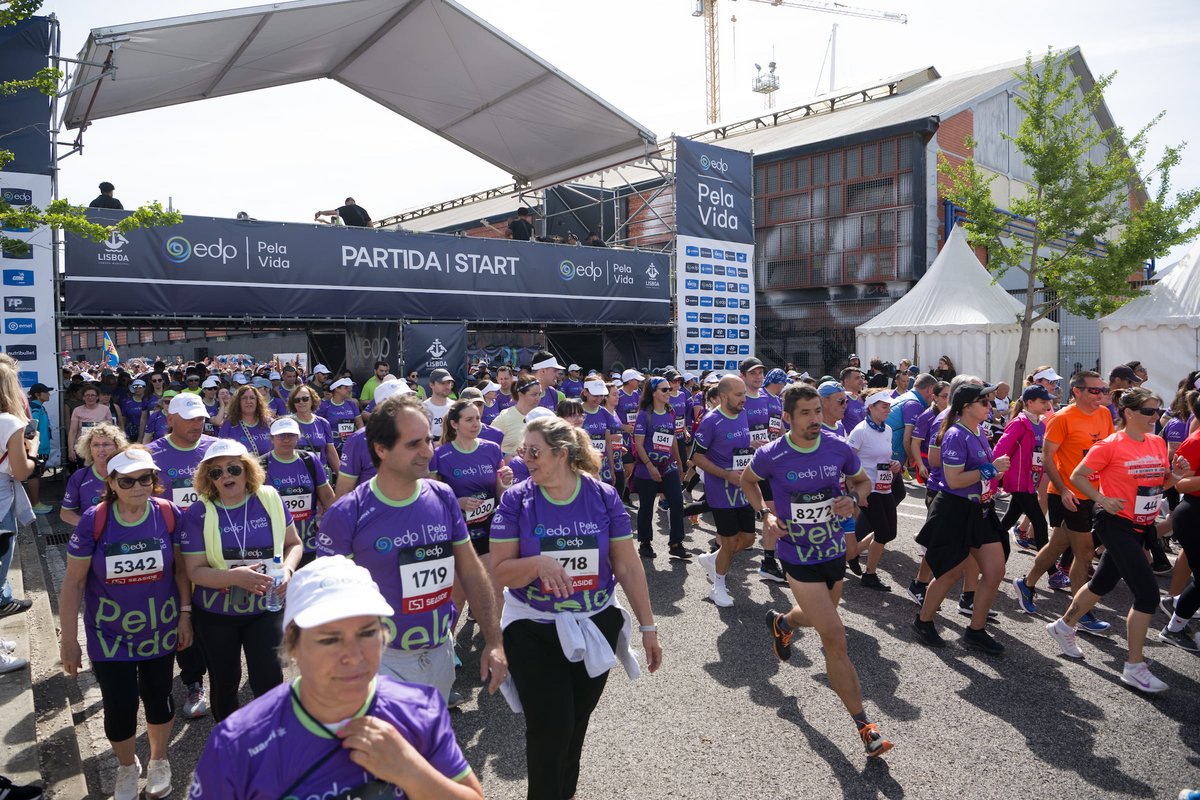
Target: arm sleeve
(619,526)
(704,434)
(70,499)
(440,747)
(1010,439)
(191,529)
(1098,456)
(761,463)
(506,520)
(642,425)
(337,530)
(82,543)
(214,776)
(954,453)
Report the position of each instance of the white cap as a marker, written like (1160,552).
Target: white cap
(285,425)
(392,388)
(211,382)
(275,376)
(596,388)
(342,382)
(539,413)
(688,377)
(131,460)
(240,379)
(1047,375)
(319,368)
(224,447)
(490,387)
(631,375)
(85,376)
(187,406)
(880,397)
(549,363)
(573,368)
(712,380)
(329,589)
(138,382)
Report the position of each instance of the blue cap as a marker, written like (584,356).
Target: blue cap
(830,388)
(1035,392)
(775,376)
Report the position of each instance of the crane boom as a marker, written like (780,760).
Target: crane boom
(840,8)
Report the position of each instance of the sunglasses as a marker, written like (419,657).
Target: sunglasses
(532,453)
(156,380)
(127,483)
(215,473)
(193,380)
(663,389)
(841,401)
(1146,412)
(303,400)
(1097,390)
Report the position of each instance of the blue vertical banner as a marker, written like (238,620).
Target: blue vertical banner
(714,256)
(435,345)
(110,352)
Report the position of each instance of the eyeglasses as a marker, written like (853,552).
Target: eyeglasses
(841,401)
(215,473)
(1146,412)
(303,400)
(127,483)
(533,453)
(1101,390)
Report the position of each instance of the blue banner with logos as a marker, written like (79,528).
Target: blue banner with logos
(436,345)
(222,267)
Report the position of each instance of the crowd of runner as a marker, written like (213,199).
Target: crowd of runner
(225,514)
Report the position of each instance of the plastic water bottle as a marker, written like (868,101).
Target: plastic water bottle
(274,600)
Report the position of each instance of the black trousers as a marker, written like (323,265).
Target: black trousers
(1185,520)
(123,682)
(191,665)
(558,697)
(1027,503)
(223,638)
(647,490)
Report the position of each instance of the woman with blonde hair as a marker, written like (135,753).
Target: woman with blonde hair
(16,464)
(86,487)
(248,420)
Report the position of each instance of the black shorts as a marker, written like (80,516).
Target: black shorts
(732,521)
(480,537)
(829,572)
(627,456)
(1079,521)
(956,526)
(765,488)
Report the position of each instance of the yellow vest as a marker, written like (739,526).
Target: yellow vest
(271,501)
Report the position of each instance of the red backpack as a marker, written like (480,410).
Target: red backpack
(101,518)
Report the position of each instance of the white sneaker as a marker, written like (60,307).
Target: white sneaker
(158,778)
(1139,677)
(7,646)
(709,562)
(1065,636)
(127,781)
(11,663)
(196,705)
(720,597)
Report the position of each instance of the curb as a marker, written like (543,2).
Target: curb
(18,747)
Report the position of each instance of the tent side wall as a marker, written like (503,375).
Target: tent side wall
(990,355)
(1168,354)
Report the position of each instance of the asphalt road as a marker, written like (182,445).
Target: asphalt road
(724,718)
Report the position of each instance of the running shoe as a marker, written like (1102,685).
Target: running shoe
(873,742)
(982,641)
(42,509)
(1065,636)
(720,597)
(11,663)
(855,566)
(1024,596)
(771,571)
(966,607)
(127,781)
(1189,794)
(158,778)
(1182,639)
(1089,624)
(916,592)
(1060,581)
(709,562)
(870,580)
(455,699)
(662,505)
(454,656)
(15,606)
(1139,677)
(7,646)
(782,640)
(694,519)
(679,551)
(1167,604)
(11,791)
(1026,543)
(196,705)
(1163,567)
(646,551)
(927,633)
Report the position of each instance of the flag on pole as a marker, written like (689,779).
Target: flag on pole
(110,351)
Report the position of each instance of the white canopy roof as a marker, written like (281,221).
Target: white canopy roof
(431,61)
(1174,301)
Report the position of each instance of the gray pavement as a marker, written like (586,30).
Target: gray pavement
(724,718)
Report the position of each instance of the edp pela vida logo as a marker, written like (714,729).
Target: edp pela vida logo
(714,165)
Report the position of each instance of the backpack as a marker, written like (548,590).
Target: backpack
(101,518)
(309,464)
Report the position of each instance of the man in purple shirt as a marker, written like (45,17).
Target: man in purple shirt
(853,379)
(903,418)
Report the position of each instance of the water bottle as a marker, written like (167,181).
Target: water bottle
(274,598)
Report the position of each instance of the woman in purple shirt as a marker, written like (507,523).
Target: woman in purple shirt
(86,487)
(473,468)
(316,434)
(657,468)
(248,420)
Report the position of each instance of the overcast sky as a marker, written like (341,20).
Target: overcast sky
(285,153)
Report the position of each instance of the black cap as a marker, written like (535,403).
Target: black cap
(749,364)
(1124,373)
(39,387)
(969,393)
(439,375)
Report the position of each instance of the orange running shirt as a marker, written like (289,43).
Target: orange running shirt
(1075,432)
(1132,471)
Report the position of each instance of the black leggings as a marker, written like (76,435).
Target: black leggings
(191,665)
(1185,521)
(223,638)
(1125,557)
(879,517)
(123,682)
(648,490)
(1027,503)
(559,697)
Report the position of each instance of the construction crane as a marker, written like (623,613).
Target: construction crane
(712,63)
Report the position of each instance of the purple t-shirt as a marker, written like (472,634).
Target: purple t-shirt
(726,443)
(627,411)
(838,429)
(804,485)
(176,467)
(856,412)
(1175,430)
(599,424)
(551,398)
(572,388)
(519,469)
(209,428)
(489,434)
(575,532)
(489,413)
(356,459)
(278,407)
(246,539)
(341,420)
(257,438)
(763,417)
(471,473)
(84,489)
(936,481)
(130,600)
(260,750)
(132,409)
(969,450)
(924,431)
(408,546)
(681,404)
(156,425)
(295,485)
(658,431)
(503,401)
(314,437)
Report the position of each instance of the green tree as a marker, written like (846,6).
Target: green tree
(1088,238)
(60,214)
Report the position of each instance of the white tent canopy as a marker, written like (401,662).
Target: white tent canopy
(956,310)
(1161,328)
(431,61)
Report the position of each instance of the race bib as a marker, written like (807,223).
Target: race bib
(1145,505)
(742,456)
(811,508)
(133,562)
(299,501)
(426,577)
(883,478)
(662,441)
(183,495)
(599,444)
(1037,459)
(679,425)
(344,429)
(85,425)
(775,425)
(631,417)
(483,512)
(251,557)
(760,435)
(579,556)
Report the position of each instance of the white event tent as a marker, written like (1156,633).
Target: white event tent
(1161,328)
(957,310)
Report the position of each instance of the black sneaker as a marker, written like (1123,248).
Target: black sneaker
(646,551)
(1182,639)
(916,592)
(927,633)
(770,571)
(966,607)
(10,791)
(782,640)
(854,566)
(870,580)
(679,551)
(15,606)
(981,641)
(1163,567)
